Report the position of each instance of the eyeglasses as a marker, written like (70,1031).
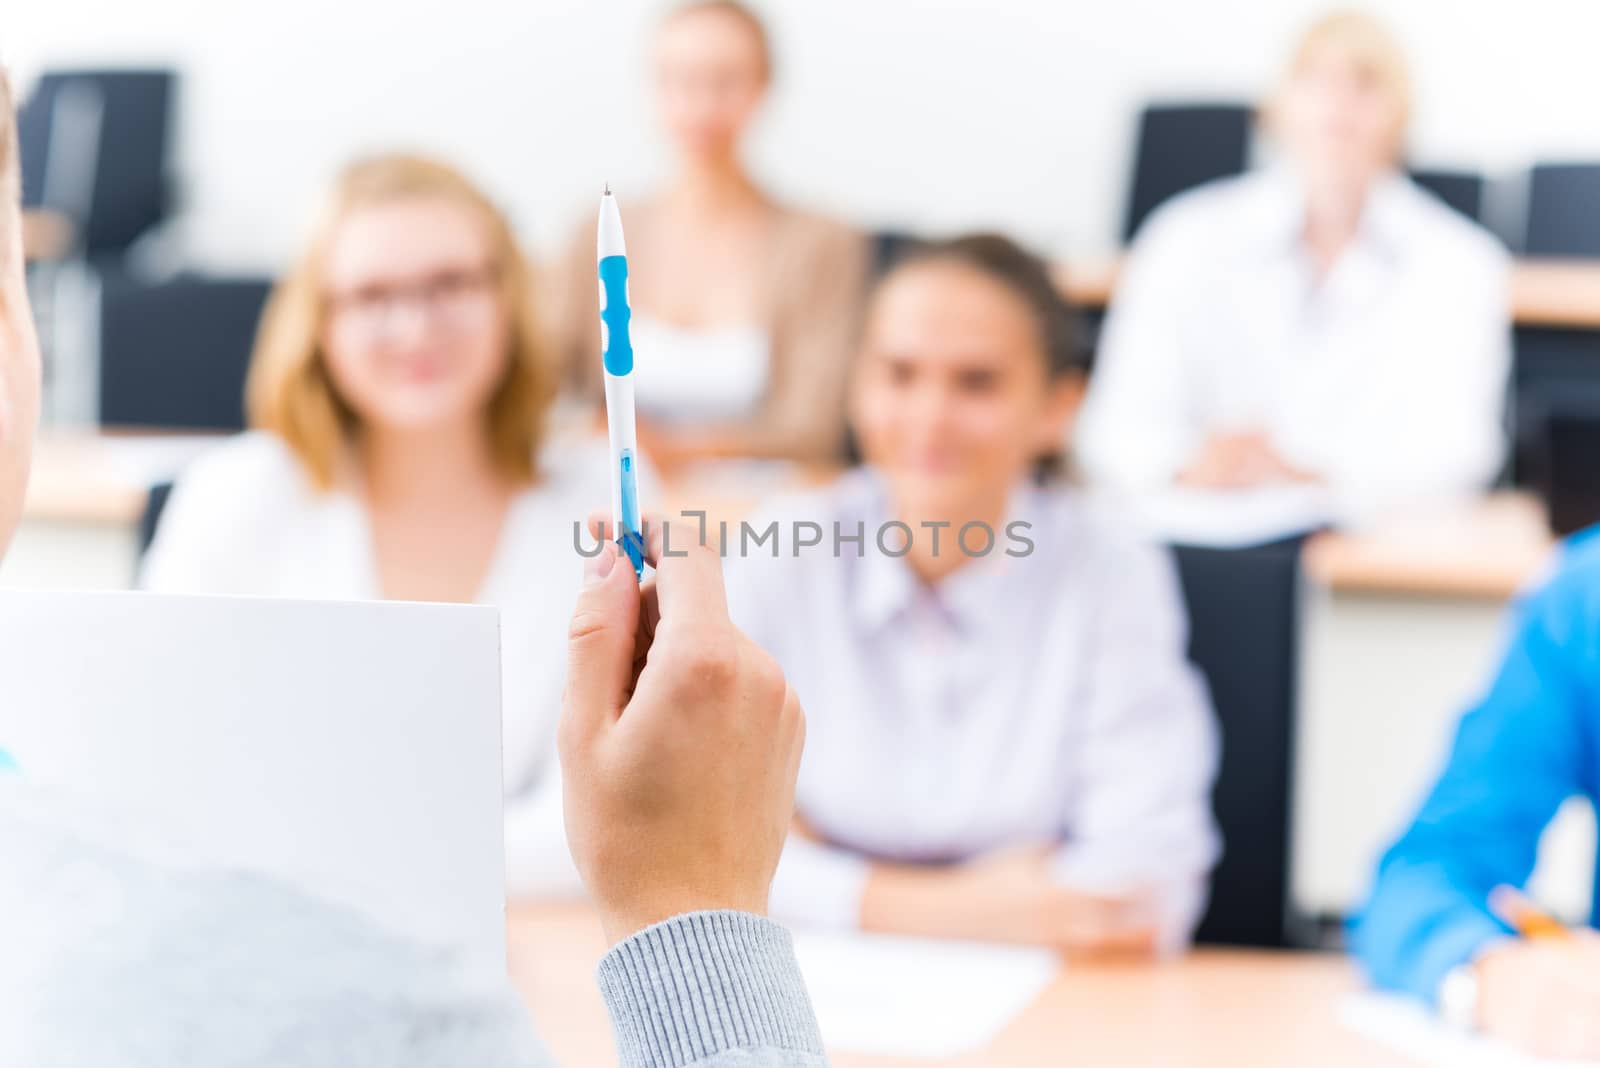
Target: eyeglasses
(455,300)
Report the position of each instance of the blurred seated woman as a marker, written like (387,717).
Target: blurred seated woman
(1004,738)
(1323,322)
(744,308)
(398,395)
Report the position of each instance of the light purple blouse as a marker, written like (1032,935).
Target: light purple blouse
(1023,698)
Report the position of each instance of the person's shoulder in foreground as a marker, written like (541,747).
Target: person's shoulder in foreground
(231,964)
(1531,742)
(122,949)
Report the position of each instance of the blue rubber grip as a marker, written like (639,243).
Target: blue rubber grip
(630,541)
(618,357)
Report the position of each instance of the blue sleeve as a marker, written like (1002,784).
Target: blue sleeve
(1518,755)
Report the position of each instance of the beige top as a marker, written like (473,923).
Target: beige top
(813,293)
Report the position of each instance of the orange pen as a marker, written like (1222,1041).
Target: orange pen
(1523,915)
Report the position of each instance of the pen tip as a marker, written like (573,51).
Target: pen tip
(608,189)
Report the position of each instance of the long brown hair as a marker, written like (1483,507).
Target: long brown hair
(290,392)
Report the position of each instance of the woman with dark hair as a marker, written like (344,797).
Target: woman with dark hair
(1005,740)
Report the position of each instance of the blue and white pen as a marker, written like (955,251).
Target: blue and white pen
(616,350)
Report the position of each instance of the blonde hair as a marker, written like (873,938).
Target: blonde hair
(1370,46)
(290,392)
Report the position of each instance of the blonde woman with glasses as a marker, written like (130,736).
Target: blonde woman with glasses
(398,396)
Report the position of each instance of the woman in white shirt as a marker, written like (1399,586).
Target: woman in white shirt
(398,393)
(1005,741)
(1324,322)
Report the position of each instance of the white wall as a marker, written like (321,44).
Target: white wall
(928,113)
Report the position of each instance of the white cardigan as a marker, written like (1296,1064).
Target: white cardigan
(244,520)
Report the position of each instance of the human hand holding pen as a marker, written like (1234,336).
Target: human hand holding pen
(680,740)
(1540,992)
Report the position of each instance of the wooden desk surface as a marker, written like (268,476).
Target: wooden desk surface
(1556,293)
(88,476)
(1225,1008)
(93,476)
(1559,293)
(1488,548)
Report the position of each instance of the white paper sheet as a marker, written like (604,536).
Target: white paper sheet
(912,997)
(1407,1028)
(351,749)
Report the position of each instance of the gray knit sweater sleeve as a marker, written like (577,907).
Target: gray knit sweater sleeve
(712,989)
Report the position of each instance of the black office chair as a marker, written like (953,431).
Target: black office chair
(174,355)
(1563,210)
(1243,609)
(94,146)
(1181,146)
(150,519)
(1461,190)
(1557,369)
(1572,455)
(1564,453)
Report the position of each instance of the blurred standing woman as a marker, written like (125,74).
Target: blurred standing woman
(398,394)
(744,308)
(1324,321)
